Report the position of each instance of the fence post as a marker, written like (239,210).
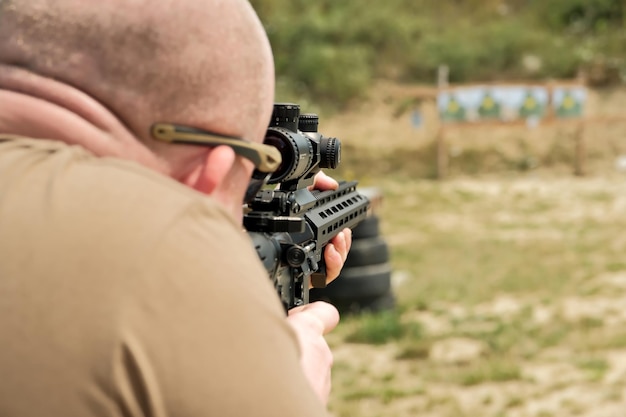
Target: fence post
(442,153)
(580,150)
(443,73)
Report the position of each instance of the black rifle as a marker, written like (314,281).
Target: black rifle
(291,224)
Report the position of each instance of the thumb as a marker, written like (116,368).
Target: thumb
(320,314)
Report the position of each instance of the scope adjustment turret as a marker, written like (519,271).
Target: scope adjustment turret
(308,122)
(286,115)
(330,152)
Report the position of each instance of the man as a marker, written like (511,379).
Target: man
(124,289)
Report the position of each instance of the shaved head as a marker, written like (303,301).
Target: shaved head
(205,63)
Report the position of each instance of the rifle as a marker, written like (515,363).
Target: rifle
(291,224)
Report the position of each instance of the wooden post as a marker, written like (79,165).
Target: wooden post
(443,73)
(580,150)
(442,153)
(580,154)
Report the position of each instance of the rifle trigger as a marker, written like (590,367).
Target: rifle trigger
(318,279)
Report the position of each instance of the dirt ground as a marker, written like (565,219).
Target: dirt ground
(581,372)
(575,361)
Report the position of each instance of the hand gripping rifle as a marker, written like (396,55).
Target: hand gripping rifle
(291,224)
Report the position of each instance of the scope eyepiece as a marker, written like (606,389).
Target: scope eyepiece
(303,149)
(296,151)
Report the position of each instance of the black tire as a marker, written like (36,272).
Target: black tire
(356,283)
(369,227)
(370,251)
(383,302)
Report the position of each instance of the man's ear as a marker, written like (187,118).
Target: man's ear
(213,171)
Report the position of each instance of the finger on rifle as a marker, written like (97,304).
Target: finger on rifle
(322,315)
(336,252)
(334,262)
(347,238)
(323,182)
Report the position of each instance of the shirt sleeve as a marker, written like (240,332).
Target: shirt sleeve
(204,333)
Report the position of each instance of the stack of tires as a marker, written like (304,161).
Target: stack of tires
(365,280)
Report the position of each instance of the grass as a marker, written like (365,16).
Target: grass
(486,242)
(527,263)
(386,395)
(596,367)
(382,328)
(490,371)
(497,260)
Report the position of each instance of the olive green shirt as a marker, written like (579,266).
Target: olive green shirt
(125,293)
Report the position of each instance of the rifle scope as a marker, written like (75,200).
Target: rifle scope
(303,149)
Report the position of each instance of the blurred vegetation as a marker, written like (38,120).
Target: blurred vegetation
(330,52)
(510,298)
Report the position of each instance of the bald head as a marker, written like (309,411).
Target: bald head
(205,63)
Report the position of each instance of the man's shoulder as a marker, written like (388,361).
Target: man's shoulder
(82,179)
(70,215)
(65,191)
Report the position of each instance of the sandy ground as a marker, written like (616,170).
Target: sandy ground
(552,383)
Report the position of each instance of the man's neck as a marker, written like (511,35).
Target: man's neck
(39,107)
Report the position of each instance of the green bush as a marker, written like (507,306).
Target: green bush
(331,51)
(581,16)
(330,72)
